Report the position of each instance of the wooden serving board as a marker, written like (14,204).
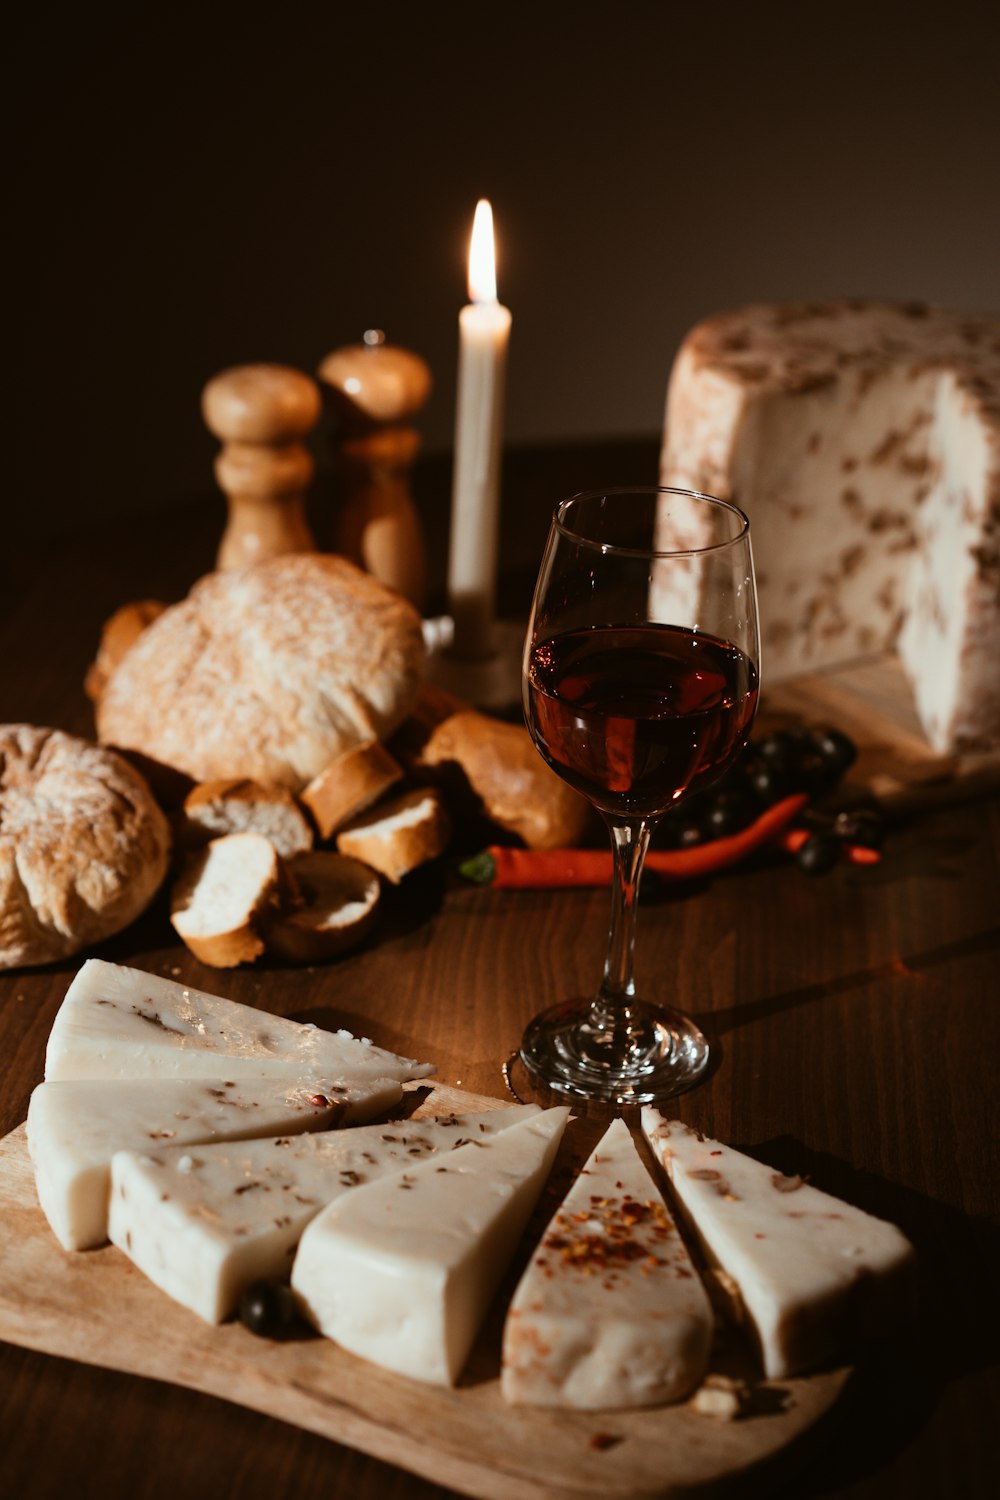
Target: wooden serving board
(96,1307)
(872,701)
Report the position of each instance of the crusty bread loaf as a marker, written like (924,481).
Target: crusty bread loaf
(513,787)
(398,836)
(215,808)
(349,784)
(267,673)
(83,846)
(337,907)
(120,633)
(220,902)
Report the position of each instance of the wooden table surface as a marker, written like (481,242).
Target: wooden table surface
(853,1020)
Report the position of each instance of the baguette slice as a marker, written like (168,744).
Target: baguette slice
(495,769)
(400,835)
(220,901)
(806,1272)
(610,1312)
(349,785)
(340,899)
(120,632)
(215,808)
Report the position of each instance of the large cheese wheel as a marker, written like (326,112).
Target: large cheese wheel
(863,440)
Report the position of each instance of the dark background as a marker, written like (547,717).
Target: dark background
(196,189)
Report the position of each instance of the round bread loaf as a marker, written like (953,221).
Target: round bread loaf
(267,673)
(83,846)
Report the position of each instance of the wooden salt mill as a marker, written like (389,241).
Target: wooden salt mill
(261,413)
(373,388)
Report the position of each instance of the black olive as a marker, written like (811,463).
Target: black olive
(268,1309)
(781,749)
(861,825)
(818,854)
(836,749)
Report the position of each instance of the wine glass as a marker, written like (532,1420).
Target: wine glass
(640,676)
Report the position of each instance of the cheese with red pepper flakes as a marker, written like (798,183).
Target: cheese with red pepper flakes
(116,1022)
(806,1272)
(76,1125)
(610,1312)
(402,1272)
(206,1223)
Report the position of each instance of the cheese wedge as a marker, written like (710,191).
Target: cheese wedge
(121,1023)
(403,1271)
(206,1223)
(76,1125)
(610,1312)
(808,1272)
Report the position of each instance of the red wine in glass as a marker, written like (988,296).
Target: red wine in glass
(637,716)
(640,687)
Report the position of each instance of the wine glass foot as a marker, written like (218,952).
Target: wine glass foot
(656,1054)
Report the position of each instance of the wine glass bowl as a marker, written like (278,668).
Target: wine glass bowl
(640,686)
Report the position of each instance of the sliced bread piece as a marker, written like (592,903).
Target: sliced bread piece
(218,903)
(340,898)
(215,808)
(398,836)
(349,785)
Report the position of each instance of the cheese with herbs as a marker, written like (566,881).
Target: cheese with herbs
(805,1271)
(76,1125)
(206,1223)
(862,438)
(610,1312)
(403,1271)
(117,1022)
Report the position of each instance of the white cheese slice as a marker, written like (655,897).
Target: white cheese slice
(121,1023)
(809,1270)
(403,1271)
(610,1312)
(204,1224)
(76,1125)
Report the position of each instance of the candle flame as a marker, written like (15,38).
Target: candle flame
(482,255)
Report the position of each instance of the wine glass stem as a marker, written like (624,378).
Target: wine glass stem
(629,842)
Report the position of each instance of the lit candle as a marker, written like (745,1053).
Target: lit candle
(484,332)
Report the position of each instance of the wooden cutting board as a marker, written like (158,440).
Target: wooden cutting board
(96,1307)
(872,701)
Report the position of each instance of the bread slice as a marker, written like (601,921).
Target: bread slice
(220,901)
(220,807)
(495,769)
(350,784)
(398,836)
(340,898)
(120,632)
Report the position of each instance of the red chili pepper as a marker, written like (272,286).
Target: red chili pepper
(792,839)
(507,868)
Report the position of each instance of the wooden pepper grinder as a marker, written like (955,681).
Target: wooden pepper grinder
(374,387)
(260,413)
